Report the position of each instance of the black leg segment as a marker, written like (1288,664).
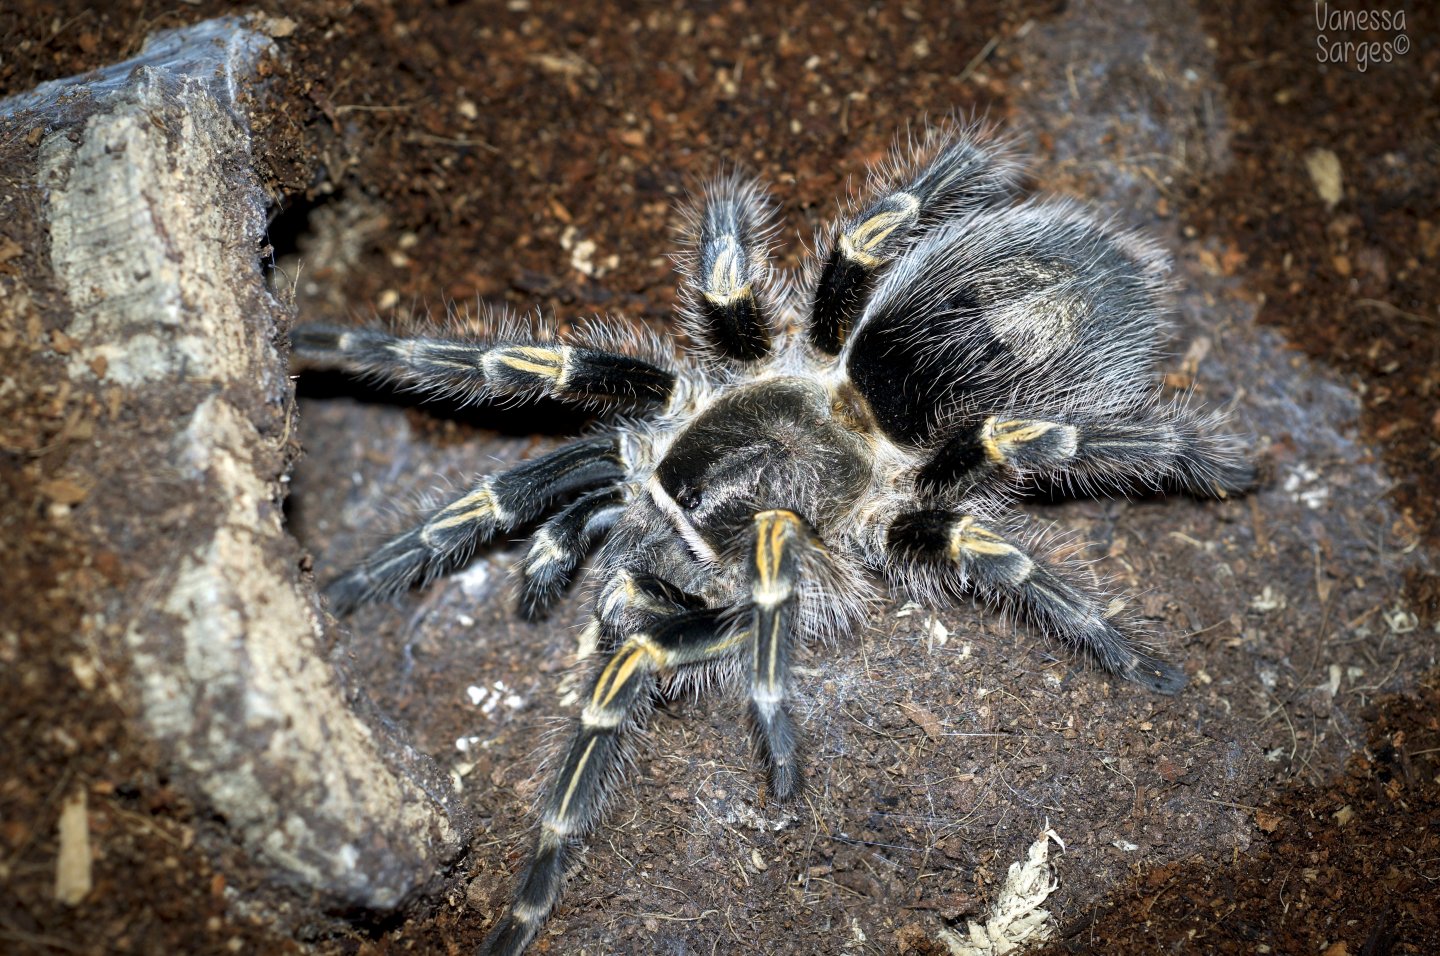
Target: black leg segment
(729,269)
(781,539)
(495,503)
(957,171)
(1052,597)
(473,370)
(619,697)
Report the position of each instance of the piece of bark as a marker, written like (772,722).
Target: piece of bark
(156,223)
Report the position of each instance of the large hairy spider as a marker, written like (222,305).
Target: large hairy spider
(871,420)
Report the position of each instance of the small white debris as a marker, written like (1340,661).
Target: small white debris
(1268,600)
(1016,918)
(740,813)
(1401,620)
(464,744)
(489,698)
(465,620)
(1324,167)
(582,254)
(908,608)
(1125,846)
(1336,675)
(935,633)
(72,864)
(856,933)
(1302,486)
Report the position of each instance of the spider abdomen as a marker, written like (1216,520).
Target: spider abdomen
(1034,310)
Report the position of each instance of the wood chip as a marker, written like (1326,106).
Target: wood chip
(1267,821)
(72,866)
(65,491)
(928,722)
(1324,168)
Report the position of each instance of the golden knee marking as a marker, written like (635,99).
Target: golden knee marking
(622,667)
(544,550)
(969,539)
(726,299)
(772,531)
(727,283)
(999,439)
(535,360)
(618,594)
(479,505)
(859,244)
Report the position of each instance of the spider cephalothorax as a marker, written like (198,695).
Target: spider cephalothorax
(869,421)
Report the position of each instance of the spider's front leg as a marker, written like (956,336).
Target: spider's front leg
(964,549)
(782,543)
(1166,445)
(493,504)
(619,697)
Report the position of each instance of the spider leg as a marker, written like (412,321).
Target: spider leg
(562,542)
(978,451)
(1171,445)
(457,368)
(954,171)
(1053,597)
(494,503)
(728,270)
(781,540)
(632,600)
(619,697)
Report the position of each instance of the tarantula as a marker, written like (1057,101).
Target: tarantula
(871,420)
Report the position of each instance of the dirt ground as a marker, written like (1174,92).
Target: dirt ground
(529,157)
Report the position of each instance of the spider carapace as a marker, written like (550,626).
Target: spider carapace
(869,421)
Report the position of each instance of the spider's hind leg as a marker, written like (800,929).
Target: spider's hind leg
(495,503)
(1171,445)
(953,171)
(965,550)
